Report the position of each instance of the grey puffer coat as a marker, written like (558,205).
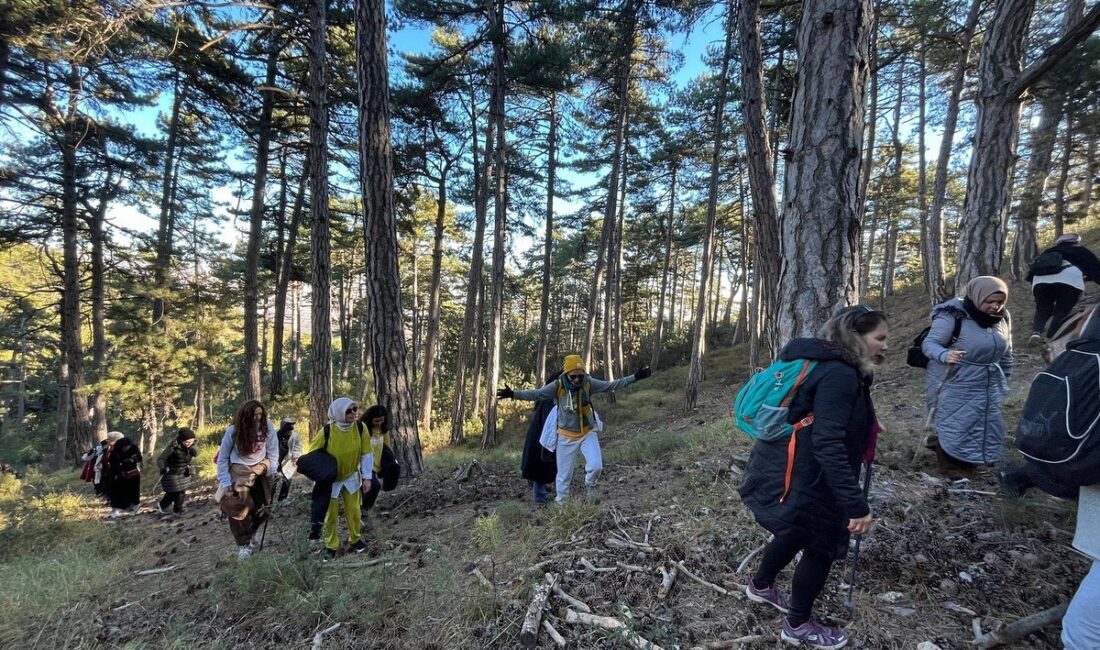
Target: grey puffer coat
(968,397)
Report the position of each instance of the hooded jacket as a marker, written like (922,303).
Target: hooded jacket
(824,491)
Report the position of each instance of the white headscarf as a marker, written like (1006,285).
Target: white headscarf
(114,436)
(337,411)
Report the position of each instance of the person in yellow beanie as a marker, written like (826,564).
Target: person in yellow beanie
(577,424)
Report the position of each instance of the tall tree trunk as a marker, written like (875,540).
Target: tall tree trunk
(868,253)
(659,331)
(479,353)
(548,242)
(1090,175)
(341,320)
(615,313)
(699,333)
(934,259)
(1001,82)
(893,219)
(1063,178)
(252,383)
(320,346)
(473,286)
(296,348)
(821,189)
(622,88)
(498,28)
(758,155)
(1025,245)
(388,349)
(282,283)
(99,307)
(198,413)
(166,226)
(927,249)
(435,304)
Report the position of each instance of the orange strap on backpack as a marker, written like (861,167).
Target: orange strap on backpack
(798,426)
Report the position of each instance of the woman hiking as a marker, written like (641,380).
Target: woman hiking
(821,504)
(968,376)
(247,460)
(576,421)
(385,470)
(123,476)
(539,465)
(348,442)
(175,471)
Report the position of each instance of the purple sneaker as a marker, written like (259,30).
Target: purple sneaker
(815,635)
(773,596)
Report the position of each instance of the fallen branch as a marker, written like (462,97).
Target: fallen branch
(465,471)
(648,527)
(969,491)
(573,602)
(149,572)
(667,578)
(611,623)
(529,633)
(476,572)
(1015,631)
(596,569)
(319,638)
(630,567)
(615,542)
(684,570)
(729,643)
(559,640)
(748,558)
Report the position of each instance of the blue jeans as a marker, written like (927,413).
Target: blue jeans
(1081,624)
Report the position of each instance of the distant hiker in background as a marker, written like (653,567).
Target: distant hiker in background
(1081,624)
(538,465)
(290,450)
(93,465)
(175,471)
(346,440)
(967,380)
(804,489)
(247,459)
(1057,278)
(572,393)
(123,476)
(385,469)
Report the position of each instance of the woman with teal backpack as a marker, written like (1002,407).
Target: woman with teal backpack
(808,494)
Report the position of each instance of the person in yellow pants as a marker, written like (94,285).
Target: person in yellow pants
(349,443)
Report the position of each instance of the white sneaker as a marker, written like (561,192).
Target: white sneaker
(1035,339)
(254,543)
(244,552)
(115,512)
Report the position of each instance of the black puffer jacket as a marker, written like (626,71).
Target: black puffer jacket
(175,467)
(125,457)
(825,491)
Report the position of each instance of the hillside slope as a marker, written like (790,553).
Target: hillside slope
(942,554)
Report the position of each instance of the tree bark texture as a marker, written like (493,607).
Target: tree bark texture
(435,305)
(548,240)
(320,385)
(696,369)
(758,158)
(252,383)
(821,189)
(934,260)
(166,227)
(659,329)
(865,254)
(282,286)
(391,377)
(1063,178)
(498,29)
(981,234)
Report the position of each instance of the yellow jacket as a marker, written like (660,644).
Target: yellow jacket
(347,447)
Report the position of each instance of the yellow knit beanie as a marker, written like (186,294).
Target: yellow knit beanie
(571,363)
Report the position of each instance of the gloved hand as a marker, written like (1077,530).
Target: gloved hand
(643,372)
(506,392)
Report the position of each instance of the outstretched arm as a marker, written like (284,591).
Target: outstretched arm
(549,391)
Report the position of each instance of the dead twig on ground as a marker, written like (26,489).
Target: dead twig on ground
(476,572)
(559,640)
(667,578)
(529,633)
(684,570)
(729,643)
(575,603)
(999,636)
(319,638)
(149,572)
(611,623)
(749,557)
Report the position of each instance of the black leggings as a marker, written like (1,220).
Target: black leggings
(809,576)
(174,498)
(1053,301)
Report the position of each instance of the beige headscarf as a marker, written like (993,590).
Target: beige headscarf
(984,286)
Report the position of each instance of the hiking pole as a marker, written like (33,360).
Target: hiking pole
(848,605)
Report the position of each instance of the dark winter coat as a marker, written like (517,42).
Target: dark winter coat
(824,492)
(124,491)
(175,467)
(1078,256)
(538,463)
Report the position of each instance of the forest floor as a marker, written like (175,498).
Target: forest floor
(942,553)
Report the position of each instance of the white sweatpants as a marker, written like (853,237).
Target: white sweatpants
(1081,624)
(589,446)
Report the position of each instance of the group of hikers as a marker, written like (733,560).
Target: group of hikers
(802,480)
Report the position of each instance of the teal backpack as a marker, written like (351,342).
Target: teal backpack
(763,404)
